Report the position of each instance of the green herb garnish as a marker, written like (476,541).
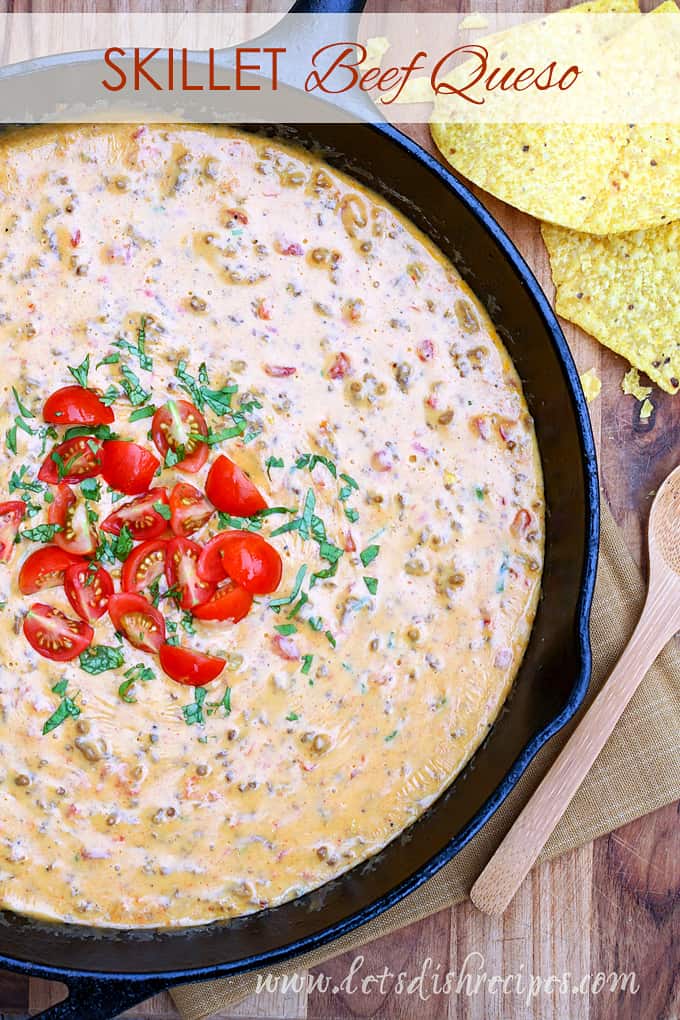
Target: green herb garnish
(42,533)
(273,462)
(67,709)
(134,390)
(306,663)
(193,712)
(372,584)
(23,410)
(91,488)
(276,604)
(142,412)
(368,554)
(99,658)
(80,373)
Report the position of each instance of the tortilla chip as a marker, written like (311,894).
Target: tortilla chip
(376,48)
(416,90)
(631,385)
(591,383)
(472,21)
(623,290)
(595,178)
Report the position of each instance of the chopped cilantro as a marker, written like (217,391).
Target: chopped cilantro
(292,717)
(372,584)
(368,554)
(99,431)
(163,509)
(123,692)
(23,410)
(273,462)
(136,350)
(391,736)
(225,703)
(352,482)
(140,672)
(99,658)
(91,488)
(110,395)
(276,604)
(351,514)
(110,359)
(134,390)
(187,623)
(18,481)
(286,628)
(310,460)
(60,687)
(80,373)
(42,533)
(306,663)
(479,492)
(11,439)
(123,543)
(142,412)
(193,712)
(67,709)
(331,640)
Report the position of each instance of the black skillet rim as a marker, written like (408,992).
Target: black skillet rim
(591,546)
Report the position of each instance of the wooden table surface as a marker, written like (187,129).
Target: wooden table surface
(613,905)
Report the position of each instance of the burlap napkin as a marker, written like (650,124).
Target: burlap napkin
(638,771)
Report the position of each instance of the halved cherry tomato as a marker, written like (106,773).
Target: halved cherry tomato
(181,571)
(55,635)
(210,563)
(228,603)
(127,467)
(76,405)
(140,515)
(230,489)
(245,557)
(193,668)
(88,588)
(45,568)
(72,460)
(77,535)
(137,620)
(177,426)
(189,510)
(11,514)
(144,565)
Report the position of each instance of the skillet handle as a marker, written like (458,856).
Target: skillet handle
(103,999)
(300,38)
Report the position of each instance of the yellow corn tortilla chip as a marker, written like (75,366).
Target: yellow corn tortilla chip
(591,383)
(376,48)
(631,385)
(595,178)
(473,21)
(623,290)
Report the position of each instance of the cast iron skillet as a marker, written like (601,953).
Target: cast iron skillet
(109,971)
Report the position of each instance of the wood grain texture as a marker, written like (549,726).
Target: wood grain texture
(611,906)
(660,619)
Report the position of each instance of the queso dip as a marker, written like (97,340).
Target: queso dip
(355,390)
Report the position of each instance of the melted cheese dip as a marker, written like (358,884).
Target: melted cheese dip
(254,258)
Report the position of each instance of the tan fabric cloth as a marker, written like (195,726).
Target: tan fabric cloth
(638,771)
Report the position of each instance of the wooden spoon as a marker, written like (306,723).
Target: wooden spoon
(660,619)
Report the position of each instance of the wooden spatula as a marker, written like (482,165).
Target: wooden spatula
(659,621)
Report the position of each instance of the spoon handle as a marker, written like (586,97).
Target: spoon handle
(505,872)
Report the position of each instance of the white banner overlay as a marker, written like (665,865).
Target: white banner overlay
(568,67)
